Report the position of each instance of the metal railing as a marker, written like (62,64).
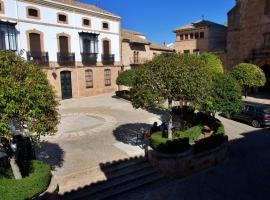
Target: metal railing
(66,58)
(41,58)
(90,58)
(107,58)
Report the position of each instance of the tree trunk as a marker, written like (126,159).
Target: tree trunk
(181,105)
(170,119)
(15,169)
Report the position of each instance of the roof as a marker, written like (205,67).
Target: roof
(132,32)
(160,47)
(132,37)
(85,6)
(198,24)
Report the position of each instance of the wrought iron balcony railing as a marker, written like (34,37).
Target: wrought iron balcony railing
(89,58)
(66,58)
(42,58)
(108,58)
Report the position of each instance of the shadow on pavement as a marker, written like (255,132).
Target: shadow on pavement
(244,175)
(127,133)
(50,153)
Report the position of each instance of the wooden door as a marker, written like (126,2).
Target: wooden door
(66,86)
(35,43)
(106,47)
(63,44)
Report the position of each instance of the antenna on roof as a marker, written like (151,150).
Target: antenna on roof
(202,17)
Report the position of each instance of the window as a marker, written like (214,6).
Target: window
(186,51)
(181,37)
(32,13)
(186,36)
(267,7)
(196,51)
(201,34)
(62,18)
(105,25)
(267,41)
(8,36)
(107,77)
(136,57)
(88,42)
(2,8)
(191,36)
(196,35)
(88,78)
(86,22)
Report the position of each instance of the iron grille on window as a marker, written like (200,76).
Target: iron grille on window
(89,78)
(62,18)
(107,76)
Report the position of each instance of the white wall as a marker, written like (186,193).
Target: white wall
(16,10)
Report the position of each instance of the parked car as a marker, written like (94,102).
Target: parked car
(256,114)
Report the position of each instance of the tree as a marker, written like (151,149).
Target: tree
(126,78)
(27,100)
(169,77)
(213,62)
(248,75)
(225,96)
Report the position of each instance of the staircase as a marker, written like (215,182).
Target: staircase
(123,177)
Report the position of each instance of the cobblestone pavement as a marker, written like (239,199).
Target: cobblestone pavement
(101,129)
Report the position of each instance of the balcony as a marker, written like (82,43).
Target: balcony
(66,58)
(42,58)
(89,58)
(137,60)
(107,58)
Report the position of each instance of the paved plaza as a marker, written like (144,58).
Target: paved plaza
(102,129)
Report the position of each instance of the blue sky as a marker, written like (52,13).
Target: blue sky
(156,18)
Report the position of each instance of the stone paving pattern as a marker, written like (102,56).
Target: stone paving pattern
(104,129)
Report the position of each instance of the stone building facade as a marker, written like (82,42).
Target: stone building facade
(77,45)
(248,37)
(200,36)
(136,49)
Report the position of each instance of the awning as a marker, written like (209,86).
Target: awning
(9,23)
(89,33)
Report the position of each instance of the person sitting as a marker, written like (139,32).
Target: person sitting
(155,128)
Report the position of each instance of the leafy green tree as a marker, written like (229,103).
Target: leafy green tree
(170,77)
(126,78)
(213,62)
(225,96)
(27,100)
(248,75)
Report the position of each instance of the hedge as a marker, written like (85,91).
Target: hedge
(209,143)
(170,146)
(28,187)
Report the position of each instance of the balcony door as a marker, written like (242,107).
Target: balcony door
(63,44)
(35,43)
(106,47)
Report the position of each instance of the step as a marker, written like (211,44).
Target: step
(104,186)
(125,188)
(116,165)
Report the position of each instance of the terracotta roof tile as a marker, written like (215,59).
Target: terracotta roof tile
(196,25)
(132,37)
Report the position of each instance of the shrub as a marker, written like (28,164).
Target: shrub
(124,94)
(192,133)
(209,143)
(170,146)
(28,187)
(213,62)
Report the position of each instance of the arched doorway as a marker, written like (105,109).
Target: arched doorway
(66,86)
(266,88)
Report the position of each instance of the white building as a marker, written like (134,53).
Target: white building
(77,45)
